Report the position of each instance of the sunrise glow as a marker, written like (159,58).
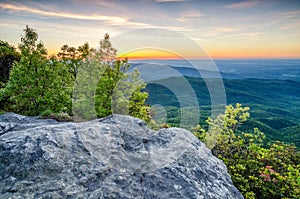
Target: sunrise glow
(239,29)
(149,54)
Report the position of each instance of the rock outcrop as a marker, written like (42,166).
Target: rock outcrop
(115,157)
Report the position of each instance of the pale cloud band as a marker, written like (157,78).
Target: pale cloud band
(61,14)
(241,5)
(110,20)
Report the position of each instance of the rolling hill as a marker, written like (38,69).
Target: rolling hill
(275,104)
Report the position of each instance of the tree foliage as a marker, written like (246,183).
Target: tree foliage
(256,171)
(104,86)
(8,55)
(37,83)
(42,85)
(74,57)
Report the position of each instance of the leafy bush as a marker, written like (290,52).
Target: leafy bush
(46,113)
(256,171)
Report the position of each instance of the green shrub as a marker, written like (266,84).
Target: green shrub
(46,113)
(256,171)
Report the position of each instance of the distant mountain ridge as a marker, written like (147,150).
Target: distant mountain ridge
(284,69)
(182,71)
(271,88)
(275,104)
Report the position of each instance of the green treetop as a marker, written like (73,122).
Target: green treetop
(36,83)
(104,86)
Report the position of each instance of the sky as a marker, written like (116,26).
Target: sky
(161,28)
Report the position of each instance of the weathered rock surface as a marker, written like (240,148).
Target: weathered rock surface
(114,157)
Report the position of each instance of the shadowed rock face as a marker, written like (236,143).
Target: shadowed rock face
(114,157)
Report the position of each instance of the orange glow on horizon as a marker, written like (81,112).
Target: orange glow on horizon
(149,54)
(161,54)
(255,56)
(253,52)
(234,54)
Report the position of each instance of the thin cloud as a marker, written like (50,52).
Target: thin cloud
(243,36)
(290,13)
(227,29)
(292,20)
(197,39)
(103,3)
(295,24)
(22,8)
(108,20)
(242,5)
(190,16)
(272,23)
(162,1)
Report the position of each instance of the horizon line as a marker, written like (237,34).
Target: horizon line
(205,58)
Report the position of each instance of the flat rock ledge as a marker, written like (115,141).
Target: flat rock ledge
(114,157)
